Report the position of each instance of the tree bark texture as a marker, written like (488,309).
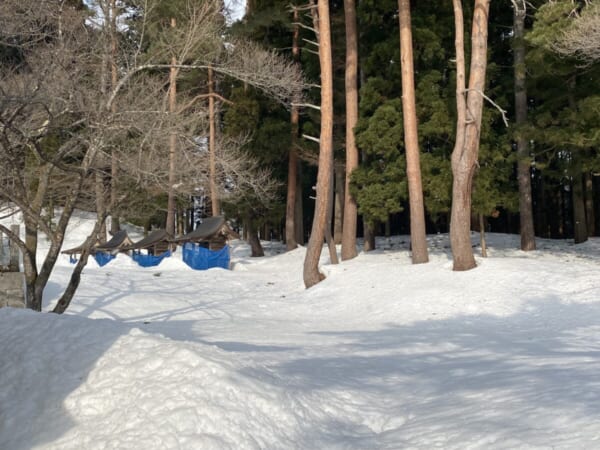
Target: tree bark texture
(65,299)
(469,105)
(100,202)
(290,210)
(114,163)
(311,273)
(330,210)
(299,219)
(352,156)
(418,236)
(580,232)
(590,215)
(338,216)
(482,236)
(254,241)
(527,229)
(368,236)
(214,194)
(170,226)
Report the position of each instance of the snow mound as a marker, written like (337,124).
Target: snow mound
(131,390)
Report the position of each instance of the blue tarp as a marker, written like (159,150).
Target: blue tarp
(200,258)
(103,258)
(149,260)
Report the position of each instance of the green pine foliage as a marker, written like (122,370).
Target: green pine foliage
(379,185)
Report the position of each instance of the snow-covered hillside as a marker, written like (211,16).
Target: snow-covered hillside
(382,354)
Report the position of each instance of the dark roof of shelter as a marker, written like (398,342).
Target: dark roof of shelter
(153,238)
(78,249)
(119,239)
(208,228)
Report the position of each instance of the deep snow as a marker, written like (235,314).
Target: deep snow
(382,354)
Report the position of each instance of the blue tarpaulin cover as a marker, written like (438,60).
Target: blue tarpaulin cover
(149,260)
(200,258)
(103,258)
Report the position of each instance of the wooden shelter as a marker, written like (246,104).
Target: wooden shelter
(206,247)
(120,241)
(156,243)
(212,233)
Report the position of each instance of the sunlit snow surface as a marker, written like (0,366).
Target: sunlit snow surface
(381,355)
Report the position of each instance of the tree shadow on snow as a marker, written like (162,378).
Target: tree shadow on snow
(482,375)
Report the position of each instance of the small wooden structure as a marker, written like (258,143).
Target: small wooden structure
(212,233)
(156,243)
(206,247)
(103,253)
(157,246)
(120,241)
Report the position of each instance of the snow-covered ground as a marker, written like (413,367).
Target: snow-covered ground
(381,355)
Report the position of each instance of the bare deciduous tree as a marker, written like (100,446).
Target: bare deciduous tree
(58,128)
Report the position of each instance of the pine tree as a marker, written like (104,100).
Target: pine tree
(417,211)
(469,104)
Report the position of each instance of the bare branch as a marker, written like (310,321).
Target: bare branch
(494,104)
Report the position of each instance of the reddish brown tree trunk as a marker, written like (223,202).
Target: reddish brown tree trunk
(352,157)
(324,182)
(527,229)
(290,210)
(468,125)
(418,237)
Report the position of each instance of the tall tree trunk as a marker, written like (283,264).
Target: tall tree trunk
(330,209)
(299,214)
(100,202)
(170,226)
(368,236)
(540,211)
(324,175)
(589,204)
(114,164)
(352,156)
(338,216)
(527,229)
(482,236)
(418,237)
(253,239)
(214,195)
(290,210)
(469,105)
(180,214)
(580,232)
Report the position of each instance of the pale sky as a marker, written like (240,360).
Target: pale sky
(237,8)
